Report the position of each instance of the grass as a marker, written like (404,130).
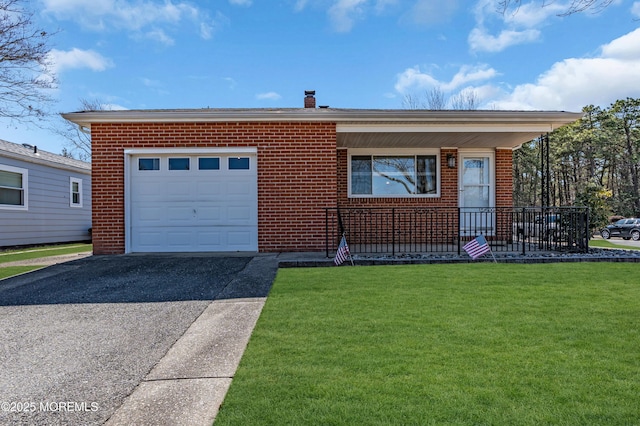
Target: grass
(45,251)
(481,344)
(10,271)
(609,244)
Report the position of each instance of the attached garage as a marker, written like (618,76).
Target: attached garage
(192,200)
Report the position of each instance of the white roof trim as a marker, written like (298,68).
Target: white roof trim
(553,119)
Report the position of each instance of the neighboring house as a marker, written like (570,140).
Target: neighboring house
(44,197)
(262,179)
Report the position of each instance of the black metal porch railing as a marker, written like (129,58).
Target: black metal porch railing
(403,230)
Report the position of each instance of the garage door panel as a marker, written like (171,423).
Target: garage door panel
(239,214)
(148,215)
(210,240)
(209,215)
(239,238)
(177,216)
(192,210)
(179,239)
(208,189)
(238,189)
(150,239)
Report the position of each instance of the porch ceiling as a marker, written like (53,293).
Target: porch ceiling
(435,139)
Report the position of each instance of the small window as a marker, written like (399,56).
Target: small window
(13,188)
(148,164)
(208,163)
(179,164)
(239,163)
(75,189)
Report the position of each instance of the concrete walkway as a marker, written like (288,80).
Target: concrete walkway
(189,384)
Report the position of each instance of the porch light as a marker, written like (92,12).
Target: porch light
(451,161)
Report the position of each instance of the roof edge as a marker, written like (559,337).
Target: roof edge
(86,118)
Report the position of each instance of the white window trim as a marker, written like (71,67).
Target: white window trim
(394,152)
(73,180)
(25,188)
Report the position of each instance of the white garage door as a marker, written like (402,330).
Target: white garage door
(191,203)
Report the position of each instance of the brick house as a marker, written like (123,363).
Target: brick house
(263,179)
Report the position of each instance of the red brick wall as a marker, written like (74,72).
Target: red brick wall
(504,178)
(299,175)
(296,176)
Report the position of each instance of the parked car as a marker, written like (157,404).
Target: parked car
(628,229)
(541,225)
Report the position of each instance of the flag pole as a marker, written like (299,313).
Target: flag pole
(344,235)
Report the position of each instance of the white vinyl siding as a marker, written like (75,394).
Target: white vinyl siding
(46,216)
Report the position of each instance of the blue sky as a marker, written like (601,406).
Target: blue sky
(148,54)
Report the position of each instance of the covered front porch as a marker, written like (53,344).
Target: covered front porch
(397,231)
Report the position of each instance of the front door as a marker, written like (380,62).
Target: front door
(477,193)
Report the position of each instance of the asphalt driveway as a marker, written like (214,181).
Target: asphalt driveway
(79,337)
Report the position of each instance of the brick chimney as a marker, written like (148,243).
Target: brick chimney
(309,99)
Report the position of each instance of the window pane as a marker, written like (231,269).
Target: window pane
(426,174)
(476,196)
(476,171)
(148,164)
(75,187)
(361,174)
(393,175)
(12,197)
(178,164)
(76,198)
(10,179)
(239,163)
(209,163)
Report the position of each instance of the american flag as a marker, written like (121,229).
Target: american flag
(477,247)
(343,252)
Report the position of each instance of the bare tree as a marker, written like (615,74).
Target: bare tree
(467,99)
(25,72)
(436,99)
(575,6)
(412,101)
(78,139)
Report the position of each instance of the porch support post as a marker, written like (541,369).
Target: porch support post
(545,170)
(458,232)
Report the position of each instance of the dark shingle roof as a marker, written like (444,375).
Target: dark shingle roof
(35,155)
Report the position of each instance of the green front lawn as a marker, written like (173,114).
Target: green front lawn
(492,344)
(45,251)
(10,271)
(609,244)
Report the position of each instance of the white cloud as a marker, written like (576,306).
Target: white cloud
(77,58)
(412,79)
(271,96)
(232,83)
(576,82)
(514,27)
(134,16)
(533,14)
(479,40)
(635,9)
(160,36)
(343,13)
(426,12)
(113,107)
